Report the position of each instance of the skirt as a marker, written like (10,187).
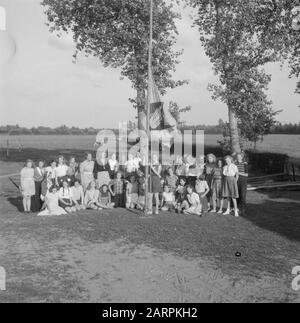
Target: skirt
(230,188)
(216,190)
(86,179)
(28,187)
(155,186)
(103,178)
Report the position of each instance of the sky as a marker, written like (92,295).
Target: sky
(41,86)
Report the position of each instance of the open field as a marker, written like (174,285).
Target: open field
(119,256)
(285,144)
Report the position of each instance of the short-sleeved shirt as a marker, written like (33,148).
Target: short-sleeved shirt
(168,197)
(201,186)
(61,170)
(77,193)
(193,199)
(118,186)
(230,170)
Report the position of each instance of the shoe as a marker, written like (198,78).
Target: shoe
(236,214)
(156,212)
(227,212)
(149,213)
(213,211)
(220,212)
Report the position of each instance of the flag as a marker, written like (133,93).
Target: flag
(160,117)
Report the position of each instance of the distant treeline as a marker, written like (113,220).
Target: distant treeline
(64,130)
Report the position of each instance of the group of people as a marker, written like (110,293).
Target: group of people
(187,185)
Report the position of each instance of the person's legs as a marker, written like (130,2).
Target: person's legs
(25,204)
(243,193)
(228,207)
(236,213)
(150,203)
(156,203)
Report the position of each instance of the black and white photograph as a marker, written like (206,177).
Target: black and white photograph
(149,154)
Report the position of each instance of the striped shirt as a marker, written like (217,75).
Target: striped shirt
(243,168)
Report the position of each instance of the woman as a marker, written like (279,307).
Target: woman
(155,187)
(52,204)
(72,171)
(66,200)
(242,166)
(102,170)
(113,165)
(61,171)
(216,187)
(230,188)
(193,170)
(50,171)
(86,171)
(27,185)
(39,175)
(209,169)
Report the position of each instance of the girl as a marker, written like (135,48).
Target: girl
(192,205)
(155,186)
(180,194)
(78,195)
(91,198)
(27,185)
(180,167)
(216,186)
(132,193)
(168,200)
(209,168)
(113,165)
(61,171)
(50,171)
(202,189)
(230,188)
(86,171)
(141,193)
(39,174)
(66,198)
(172,180)
(105,198)
(130,166)
(242,166)
(137,161)
(52,204)
(72,171)
(116,188)
(193,170)
(102,170)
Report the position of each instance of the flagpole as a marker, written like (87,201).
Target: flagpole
(148,165)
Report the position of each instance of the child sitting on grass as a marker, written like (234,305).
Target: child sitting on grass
(91,198)
(180,194)
(105,198)
(168,200)
(192,205)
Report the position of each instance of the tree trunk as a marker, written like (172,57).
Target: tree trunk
(234,132)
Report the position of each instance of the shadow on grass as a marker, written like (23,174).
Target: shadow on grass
(16,202)
(282,218)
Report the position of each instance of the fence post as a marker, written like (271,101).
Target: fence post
(294,172)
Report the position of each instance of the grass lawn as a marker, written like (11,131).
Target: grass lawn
(119,256)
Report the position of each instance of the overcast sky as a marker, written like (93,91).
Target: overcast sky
(40,85)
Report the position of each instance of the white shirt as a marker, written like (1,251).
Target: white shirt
(51,172)
(112,164)
(168,197)
(61,170)
(230,170)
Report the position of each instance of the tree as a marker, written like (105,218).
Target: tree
(117,32)
(228,34)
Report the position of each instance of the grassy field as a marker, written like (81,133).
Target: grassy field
(120,256)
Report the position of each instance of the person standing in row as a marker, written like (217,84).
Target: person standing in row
(155,187)
(86,171)
(61,171)
(27,185)
(102,170)
(230,188)
(39,174)
(242,166)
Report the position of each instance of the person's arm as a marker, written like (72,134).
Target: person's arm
(109,198)
(110,189)
(207,190)
(162,201)
(157,172)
